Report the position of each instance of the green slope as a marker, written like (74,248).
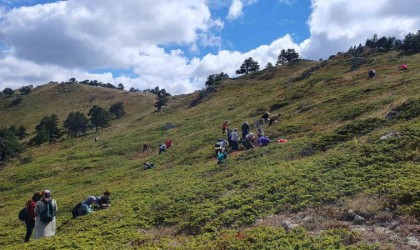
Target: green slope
(333,156)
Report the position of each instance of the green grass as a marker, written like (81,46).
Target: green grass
(189,202)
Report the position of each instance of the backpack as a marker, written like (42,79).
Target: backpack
(75,211)
(23,215)
(47,215)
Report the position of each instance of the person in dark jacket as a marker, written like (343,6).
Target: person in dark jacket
(30,218)
(266,117)
(245,129)
(103,201)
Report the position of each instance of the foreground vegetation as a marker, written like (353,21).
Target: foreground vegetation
(333,120)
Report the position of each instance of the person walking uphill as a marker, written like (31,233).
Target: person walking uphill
(30,215)
(224,127)
(45,211)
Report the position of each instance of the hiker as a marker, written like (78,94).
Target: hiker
(224,127)
(371,73)
(148,165)
(220,147)
(30,215)
(162,148)
(249,141)
(260,133)
(403,66)
(274,118)
(245,129)
(168,144)
(221,158)
(265,117)
(103,201)
(229,136)
(45,210)
(145,146)
(263,141)
(234,138)
(84,207)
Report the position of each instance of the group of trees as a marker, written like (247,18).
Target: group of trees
(49,130)
(287,56)
(18,132)
(94,83)
(250,65)
(77,123)
(161,98)
(410,43)
(8,92)
(9,146)
(215,78)
(161,95)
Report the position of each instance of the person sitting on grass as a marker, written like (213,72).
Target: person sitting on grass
(103,201)
(84,207)
(148,165)
(221,158)
(263,141)
(249,142)
(162,148)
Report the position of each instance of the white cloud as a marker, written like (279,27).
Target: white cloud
(235,9)
(100,33)
(230,61)
(287,2)
(337,25)
(76,35)
(53,42)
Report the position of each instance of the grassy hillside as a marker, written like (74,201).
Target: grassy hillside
(333,161)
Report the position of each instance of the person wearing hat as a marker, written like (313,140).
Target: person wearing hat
(42,228)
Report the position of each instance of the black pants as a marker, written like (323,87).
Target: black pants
(234,145)
(30,224)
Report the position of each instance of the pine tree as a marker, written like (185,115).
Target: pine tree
(248,66)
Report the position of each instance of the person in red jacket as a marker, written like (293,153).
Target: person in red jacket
(224,127)
(30,218)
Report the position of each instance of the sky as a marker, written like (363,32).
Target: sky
(176,44)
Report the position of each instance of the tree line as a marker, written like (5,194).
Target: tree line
(49,129)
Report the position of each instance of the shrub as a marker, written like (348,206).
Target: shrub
(408,110)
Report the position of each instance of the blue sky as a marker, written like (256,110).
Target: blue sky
(177,44)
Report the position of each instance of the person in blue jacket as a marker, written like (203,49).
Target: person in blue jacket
(87,205)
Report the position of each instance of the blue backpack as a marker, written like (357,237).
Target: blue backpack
(48,214)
